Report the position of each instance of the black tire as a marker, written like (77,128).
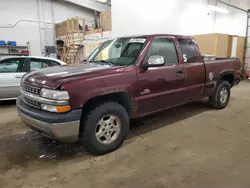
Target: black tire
(216,101)
(90,123)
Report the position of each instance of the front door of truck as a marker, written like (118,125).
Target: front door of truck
(161,87)
(194,69)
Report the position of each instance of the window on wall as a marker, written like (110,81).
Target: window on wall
(164,47)
(189,50)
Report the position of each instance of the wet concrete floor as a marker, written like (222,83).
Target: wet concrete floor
(188,146)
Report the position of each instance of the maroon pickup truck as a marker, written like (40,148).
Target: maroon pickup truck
(123,78)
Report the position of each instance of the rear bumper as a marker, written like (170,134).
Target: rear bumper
(63,127)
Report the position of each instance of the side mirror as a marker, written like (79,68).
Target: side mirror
(154,61)
(118,45)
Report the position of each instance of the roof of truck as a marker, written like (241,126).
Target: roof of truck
(157,35)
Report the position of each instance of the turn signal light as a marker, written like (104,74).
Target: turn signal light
(61,109)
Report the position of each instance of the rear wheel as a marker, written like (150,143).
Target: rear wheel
(105,128)
(221,96)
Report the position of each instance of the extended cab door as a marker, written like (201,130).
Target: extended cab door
(194,69)
(160,87)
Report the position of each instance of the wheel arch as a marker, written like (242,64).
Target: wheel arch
(227,76)
(121,98)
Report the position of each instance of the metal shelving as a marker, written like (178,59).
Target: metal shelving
(7,50)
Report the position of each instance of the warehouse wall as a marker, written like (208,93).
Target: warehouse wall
(235,22)
(14,11)
(173,16)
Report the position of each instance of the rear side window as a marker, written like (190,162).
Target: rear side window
(53,63)
(164,47)
(189,51)
(36,64)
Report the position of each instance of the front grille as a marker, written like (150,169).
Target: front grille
(31,102)
(31,89)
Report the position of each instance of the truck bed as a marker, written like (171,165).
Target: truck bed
(215,69)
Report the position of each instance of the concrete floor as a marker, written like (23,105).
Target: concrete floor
(191,146)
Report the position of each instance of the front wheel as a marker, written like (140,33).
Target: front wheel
(105,128)
(221,96)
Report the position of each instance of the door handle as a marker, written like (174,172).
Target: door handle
(179,73)
(17,76)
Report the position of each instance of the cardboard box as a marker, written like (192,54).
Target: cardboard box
(221,45)
(240,48)
(206,43)
(216,44)
(106,21)
(74,25)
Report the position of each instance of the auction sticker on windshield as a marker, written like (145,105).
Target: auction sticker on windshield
(137,40)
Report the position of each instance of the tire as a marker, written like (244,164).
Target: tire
(220,100)
(95,123)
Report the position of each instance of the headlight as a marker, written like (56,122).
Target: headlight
(54,94)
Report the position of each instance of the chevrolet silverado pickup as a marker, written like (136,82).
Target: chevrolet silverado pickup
(123,78)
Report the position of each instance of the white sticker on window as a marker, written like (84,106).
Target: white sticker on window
(185,58)
(137,40)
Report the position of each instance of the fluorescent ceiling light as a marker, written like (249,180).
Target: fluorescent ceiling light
(102,1)
(218,9)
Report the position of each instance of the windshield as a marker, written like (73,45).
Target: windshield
(120,51)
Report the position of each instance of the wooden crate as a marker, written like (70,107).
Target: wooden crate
(74,25)
(106,21)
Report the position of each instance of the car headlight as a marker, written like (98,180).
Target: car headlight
(54,94)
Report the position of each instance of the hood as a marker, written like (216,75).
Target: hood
(53,77)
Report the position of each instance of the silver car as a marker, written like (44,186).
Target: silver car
(13,68)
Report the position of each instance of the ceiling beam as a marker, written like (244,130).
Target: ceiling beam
(90,4)
(233,6)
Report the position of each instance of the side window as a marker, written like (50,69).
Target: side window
(36,64)
(53,63)
(12,65)
(164,47)
(189,51)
